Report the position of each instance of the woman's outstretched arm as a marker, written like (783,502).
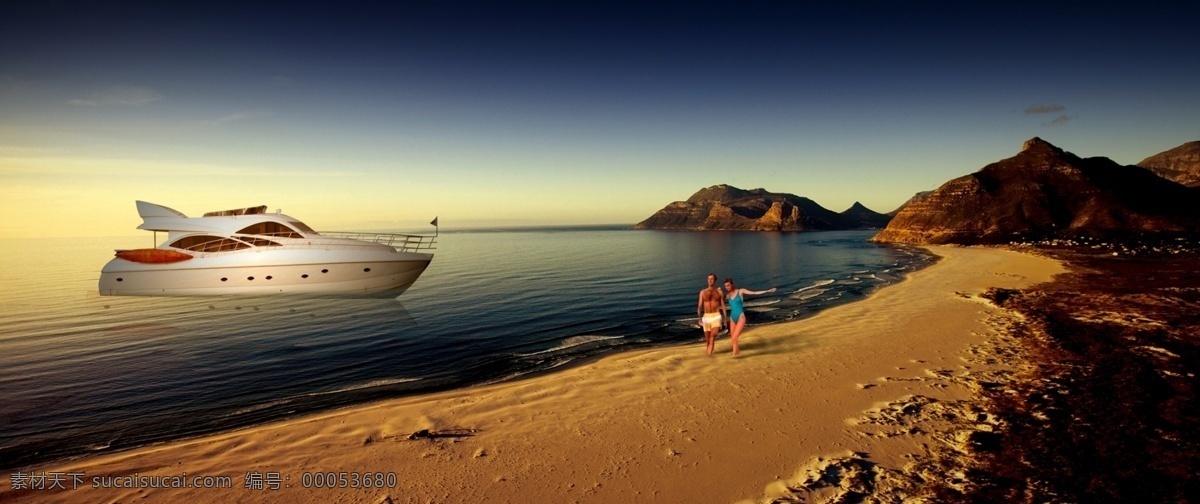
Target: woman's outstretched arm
(755,293)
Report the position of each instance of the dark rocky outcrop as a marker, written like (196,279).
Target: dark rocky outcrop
(724,207)
(1181,164)
(861,217)
(1045,192)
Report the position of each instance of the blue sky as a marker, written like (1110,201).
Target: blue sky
(382,115)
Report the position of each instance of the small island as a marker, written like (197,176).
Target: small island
(727,208)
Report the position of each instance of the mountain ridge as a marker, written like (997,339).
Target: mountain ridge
(1181,164)
(1046,192)
(724,207)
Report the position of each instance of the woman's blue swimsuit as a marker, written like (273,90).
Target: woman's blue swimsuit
(735,308)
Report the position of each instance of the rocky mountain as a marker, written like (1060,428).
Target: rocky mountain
(1045,192)
(861,217)
(1181,164)
(724,207)
(916,197)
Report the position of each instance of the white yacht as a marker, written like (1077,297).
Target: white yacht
(250,251)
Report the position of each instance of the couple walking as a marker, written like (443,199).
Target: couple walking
(715,304)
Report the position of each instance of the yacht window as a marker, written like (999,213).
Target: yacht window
(302,227)
(206,243)
(258,242)
(270,229)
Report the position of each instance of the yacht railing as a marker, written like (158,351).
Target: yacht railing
(218,245)
(328,240)
(401,242)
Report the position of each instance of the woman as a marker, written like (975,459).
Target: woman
(737,319)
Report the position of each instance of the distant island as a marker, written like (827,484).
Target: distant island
(1045,192)
(727,208)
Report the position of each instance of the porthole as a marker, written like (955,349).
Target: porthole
(249,278)
(366,270)
(324,271)
(268,277)
(304,275)
(120,279)
(223,279)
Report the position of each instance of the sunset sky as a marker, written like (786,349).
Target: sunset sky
(381,115)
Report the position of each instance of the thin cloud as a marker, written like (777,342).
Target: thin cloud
(52,165)
(119,95)
(1044,109)
(10,84)
(10,150)
(1062,119)
(240,116)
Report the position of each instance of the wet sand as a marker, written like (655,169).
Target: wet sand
(856,399)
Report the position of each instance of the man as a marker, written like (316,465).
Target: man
(711,310)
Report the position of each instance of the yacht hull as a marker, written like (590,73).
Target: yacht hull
(363,274)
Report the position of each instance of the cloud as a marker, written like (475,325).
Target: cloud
(1062,119)
(9,84)
(119,95)
(10,150)
(46,164)
(1044,109)
(240,116)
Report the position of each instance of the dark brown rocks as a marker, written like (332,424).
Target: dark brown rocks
(1045,192)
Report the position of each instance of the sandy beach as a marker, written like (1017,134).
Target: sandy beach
(669,424)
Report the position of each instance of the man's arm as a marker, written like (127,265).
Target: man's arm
(724,309)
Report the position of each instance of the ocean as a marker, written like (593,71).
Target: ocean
(82,374)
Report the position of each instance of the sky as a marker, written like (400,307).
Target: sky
(382,115)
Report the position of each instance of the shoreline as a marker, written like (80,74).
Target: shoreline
(663,422)
(294,390)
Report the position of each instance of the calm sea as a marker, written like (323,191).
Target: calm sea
(81,373)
